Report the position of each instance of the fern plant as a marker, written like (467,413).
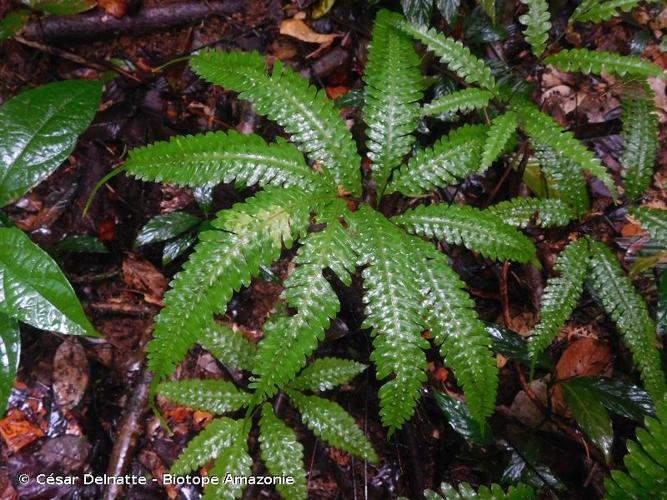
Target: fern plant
(646,463)
(225,439)
(400,304)
(495,492)
(312,194)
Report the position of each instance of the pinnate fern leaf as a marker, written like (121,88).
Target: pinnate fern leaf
(462,100)
(393,89)
(495,492)
(500,132)
(290,340)
(475,229)
(282,454)
(654,221)
(211,395)
(640,132)
(230,347)
(287,98)
(326,373)
(597,61)
(547,212)
(209,159)
(618,297)
(538,23)
(207,445)
(331,423)
(394,311)
(544,130)
(451,159)
(234,461)
(560,295)
(245,237)
(455,327)
(600,10)
(454,54)
(646,462)
(564,177)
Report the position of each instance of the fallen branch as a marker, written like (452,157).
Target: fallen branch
(96,24)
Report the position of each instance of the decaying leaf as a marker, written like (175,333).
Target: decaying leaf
(297,28)
(70,374)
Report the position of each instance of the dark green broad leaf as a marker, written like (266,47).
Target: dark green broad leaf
(525,466)
(459,417)
(448,8)
(163,227)
(661,312)
(34,290)
(38,130)
(352,99)
(591,415)
(61,7)
(176,248)
(418,11)
(617,396)
(10,349)
(12,22)
(82,243)
(479,28)
(513,346)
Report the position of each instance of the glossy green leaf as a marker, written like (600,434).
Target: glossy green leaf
(661,312)
(513,346)
(418,11)
(34,290)
(229,346)
(212,395)
(459,417)
(10,350)
(282,454)
(326,373)
(207,445)
(235,462)
(164,227)
(38,130)
(333,424)
(12,22)
(177,247)
(617,396)
(82,243)
(448,8)
(61,7)
(591,415)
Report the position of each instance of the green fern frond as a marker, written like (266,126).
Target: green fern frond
(328,421)
(392,93)
(211,395)
(282,454)
(451,159)
(538,23)
(462,100)
(547,212)
(564,177)
(207,445)
(654,221)
(233,461)
(465,490)
(597,61)
(209,159)
(394,311)
(245,237)
(230,347)
(500,132)
(561,295)
(288,341)
(288,99)
(326,373)
(640,132)
(456,329)
(471,227)
(454,54)
(544,130)
(615,293)
(600,10)
(646,462)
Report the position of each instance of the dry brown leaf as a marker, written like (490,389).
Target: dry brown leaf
(297,28)
(70,374)
(116,8)
(143,276)
(18,431)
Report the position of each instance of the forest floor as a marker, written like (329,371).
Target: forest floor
(66,409)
